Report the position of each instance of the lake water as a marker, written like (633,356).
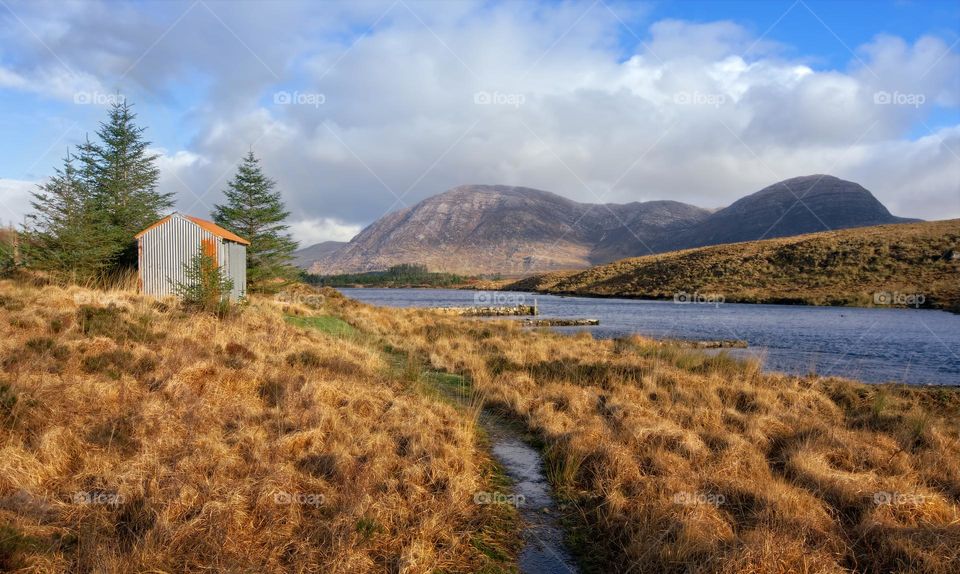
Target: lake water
(914,346)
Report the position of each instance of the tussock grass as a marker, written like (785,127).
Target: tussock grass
(135,437)
(680,461)
(325,324)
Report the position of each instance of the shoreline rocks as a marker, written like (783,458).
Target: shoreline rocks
(719,344)
(517,310)
(559,322)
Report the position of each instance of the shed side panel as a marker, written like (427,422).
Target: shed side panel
(237,268)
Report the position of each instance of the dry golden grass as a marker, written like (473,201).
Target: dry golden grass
(134,437)
(845,267)
(679,461)
(675,460)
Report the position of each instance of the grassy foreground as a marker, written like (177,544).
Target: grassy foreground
(134,438)
(881,265)
(294,438)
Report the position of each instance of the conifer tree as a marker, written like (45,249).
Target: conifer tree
(256,212)
(207,288)
(66,235)
(8,251)
(122,177)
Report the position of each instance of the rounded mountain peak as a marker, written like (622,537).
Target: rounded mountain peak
(804,204)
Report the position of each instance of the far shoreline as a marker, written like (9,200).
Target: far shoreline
(791,302)
(890,383)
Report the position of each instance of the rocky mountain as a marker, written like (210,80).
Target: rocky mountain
(793,206)
(304,258)
(653,223)
(503,229)
(516,230)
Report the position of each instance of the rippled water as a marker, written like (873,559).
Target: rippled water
(914,346)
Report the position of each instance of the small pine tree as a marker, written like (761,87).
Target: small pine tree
(66,235)
(122,178)
(206,288)
(256,212)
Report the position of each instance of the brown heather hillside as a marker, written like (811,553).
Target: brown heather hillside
(671,460)
(846,267)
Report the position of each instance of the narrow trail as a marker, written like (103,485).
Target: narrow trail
(544,551)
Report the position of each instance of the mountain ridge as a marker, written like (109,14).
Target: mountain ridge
(516,230)
(796,206)
(305,257)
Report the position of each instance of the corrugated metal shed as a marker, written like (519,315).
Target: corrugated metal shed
(169,244)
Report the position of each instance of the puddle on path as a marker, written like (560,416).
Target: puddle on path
(543,551)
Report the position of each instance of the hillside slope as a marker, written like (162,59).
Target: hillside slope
(500,229)
(475,229)
(849,267)
(305,258)
(794,206)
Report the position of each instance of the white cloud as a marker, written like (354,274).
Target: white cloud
(56,82)
(15,200)
(399,118)
(11,79)
(399,115)
(308,232)
(183,173)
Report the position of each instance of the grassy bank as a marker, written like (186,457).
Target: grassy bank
(139,438)
(681,461)
(915,264)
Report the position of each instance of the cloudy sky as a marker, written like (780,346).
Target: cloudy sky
(360,108)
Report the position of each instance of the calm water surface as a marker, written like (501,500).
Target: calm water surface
(876,345)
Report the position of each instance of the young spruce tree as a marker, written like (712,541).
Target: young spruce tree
(66,235)
(122,177)
(256,212)
(207,288)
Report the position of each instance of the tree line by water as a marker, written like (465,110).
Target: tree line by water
(404,274)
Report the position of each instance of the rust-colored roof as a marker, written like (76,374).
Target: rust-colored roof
(217,230)
(203,223)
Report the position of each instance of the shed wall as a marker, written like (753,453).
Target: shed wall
(167,248)
(237,267)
